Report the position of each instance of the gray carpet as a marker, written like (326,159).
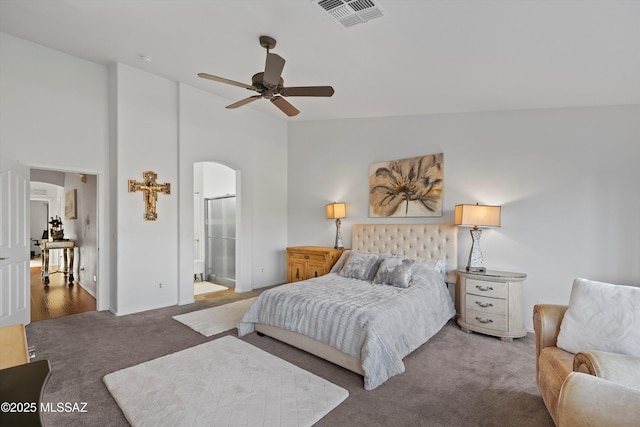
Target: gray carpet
(456,379)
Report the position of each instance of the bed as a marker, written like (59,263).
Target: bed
(352,316)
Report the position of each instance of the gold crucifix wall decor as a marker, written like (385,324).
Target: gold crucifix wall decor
(150,190)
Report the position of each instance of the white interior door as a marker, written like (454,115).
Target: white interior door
(14,246)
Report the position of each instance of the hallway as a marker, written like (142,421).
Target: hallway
(58,299)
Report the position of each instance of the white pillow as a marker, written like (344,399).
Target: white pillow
(602,317)
(438,264)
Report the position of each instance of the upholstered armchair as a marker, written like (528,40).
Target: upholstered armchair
(586,388)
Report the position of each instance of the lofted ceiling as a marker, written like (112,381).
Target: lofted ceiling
(424,57)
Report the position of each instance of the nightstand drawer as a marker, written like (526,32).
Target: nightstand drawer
(495,322)
(486,288)
(486,305)
(306,257)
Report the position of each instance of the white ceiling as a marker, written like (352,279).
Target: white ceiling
(425,57)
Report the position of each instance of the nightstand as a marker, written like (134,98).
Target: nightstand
(306,262)
(491,303)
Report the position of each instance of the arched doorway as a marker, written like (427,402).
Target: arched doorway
(215,226)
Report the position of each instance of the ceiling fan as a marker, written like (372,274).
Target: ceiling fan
(269,83)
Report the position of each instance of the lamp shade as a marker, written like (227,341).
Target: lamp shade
(336,210)
(477,216)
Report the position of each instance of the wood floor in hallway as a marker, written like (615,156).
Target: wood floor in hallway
(59,298)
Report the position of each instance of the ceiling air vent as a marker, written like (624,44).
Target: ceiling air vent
(352,12)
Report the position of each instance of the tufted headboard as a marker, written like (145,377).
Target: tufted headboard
(430,241)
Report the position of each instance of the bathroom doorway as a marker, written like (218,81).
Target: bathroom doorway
(215,228)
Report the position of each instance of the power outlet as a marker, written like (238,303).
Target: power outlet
(159,285)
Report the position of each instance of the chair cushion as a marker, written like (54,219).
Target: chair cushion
(603,317)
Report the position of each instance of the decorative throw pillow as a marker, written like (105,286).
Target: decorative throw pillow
(360,265)
(395,271)
(601,317)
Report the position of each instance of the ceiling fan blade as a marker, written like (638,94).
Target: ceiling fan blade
(223,80)
(285,106)
(244,101)
(272,70)
(307,91)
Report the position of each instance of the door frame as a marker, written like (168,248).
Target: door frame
(104,288)
(186,232)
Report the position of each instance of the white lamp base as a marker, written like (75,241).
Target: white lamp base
(339,244)
(476,262)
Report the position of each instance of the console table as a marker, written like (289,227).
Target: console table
(68,248)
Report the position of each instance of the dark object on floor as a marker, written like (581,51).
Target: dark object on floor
(20,390)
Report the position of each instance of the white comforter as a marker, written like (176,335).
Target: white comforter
(378,324)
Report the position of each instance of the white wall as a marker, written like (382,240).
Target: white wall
(53,115)
(566,179)
(217,180)
(83,229)
(147,140)
(255,145)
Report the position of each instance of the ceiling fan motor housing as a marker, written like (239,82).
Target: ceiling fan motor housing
(267,42)
(263,88)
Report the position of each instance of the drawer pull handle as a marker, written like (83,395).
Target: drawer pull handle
(481,320)
(297,273)
(484,288)
(316,274)
(484,304)
(306,257)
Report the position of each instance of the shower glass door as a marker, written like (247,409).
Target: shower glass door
(220,248)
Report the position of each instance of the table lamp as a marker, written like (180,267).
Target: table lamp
(476,216)
(336,211)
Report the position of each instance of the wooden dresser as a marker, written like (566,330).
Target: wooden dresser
(306,262)
(13,346)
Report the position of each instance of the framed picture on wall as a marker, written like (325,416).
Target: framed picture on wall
(407,188)
(70,206)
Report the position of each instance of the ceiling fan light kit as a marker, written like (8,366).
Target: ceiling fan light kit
(270,85)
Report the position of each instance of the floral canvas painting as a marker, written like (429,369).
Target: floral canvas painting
(407,187)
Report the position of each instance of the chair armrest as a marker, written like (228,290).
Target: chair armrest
(546,324)
(586,400)
(619,368)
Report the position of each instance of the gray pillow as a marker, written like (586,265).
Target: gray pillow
(341,261)
(360,265)
(395,271)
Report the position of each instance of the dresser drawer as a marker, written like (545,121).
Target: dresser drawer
(486,288)
(306,257)
(485,320)
(486,305)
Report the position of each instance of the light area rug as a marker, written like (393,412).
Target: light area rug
(215,320)
(200,288)
(225,382)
